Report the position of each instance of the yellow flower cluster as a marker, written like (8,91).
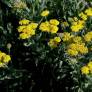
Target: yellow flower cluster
(26,29)
(45,13)
(54,42)
(66,36)
(77,48)
(87,68)
(4,59)
(88,37)
(83,16)
(77,25)
(24,22)
(88,11)
(77,39)
(49,26)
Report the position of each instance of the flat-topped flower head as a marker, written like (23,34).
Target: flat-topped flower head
(45,13)
(24,22)
(54,22)
(85,70)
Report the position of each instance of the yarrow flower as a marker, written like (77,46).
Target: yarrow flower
(49,26)
(54,22)
(54,42)
(45,13)
(26,29)
(77,25)
(4,59)
(88,11)
(77,48)
(66,36)
(90,66)
(24,22)
(87,68)
(88,37)
(77,39)
(83,16)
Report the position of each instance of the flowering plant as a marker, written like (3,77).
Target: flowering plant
(48,43)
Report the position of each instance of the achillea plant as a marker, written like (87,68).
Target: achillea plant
(49,45)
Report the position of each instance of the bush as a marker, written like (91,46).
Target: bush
(45,45)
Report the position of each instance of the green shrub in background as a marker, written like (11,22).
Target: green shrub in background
(49,44)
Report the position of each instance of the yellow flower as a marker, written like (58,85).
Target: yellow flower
(77,26)
(45,13)
(24,36)
(27,30)
(79,47)
(20,28)
(73,46)
(45,26)
(54,42)
(72,52)
(32,32)
(90,66)
(1,55)
(75,19)
(88,11)
(54,22)
(53,29)
(24,22)
(83,49)
(6,59)
(85,70)
(77,39)
(48,27)
(83,16)
(57,39)
(66,36)
(33,25)
(88,37)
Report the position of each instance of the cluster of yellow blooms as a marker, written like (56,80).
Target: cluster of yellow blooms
(83,16)
(87,68)
(78,24)
(4,59)
(77,48)
(54,42)
(49,26)
(88,37)
(88,11)
(66,36)
(77,39)
(26,28)
(76,45)
(45,13)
